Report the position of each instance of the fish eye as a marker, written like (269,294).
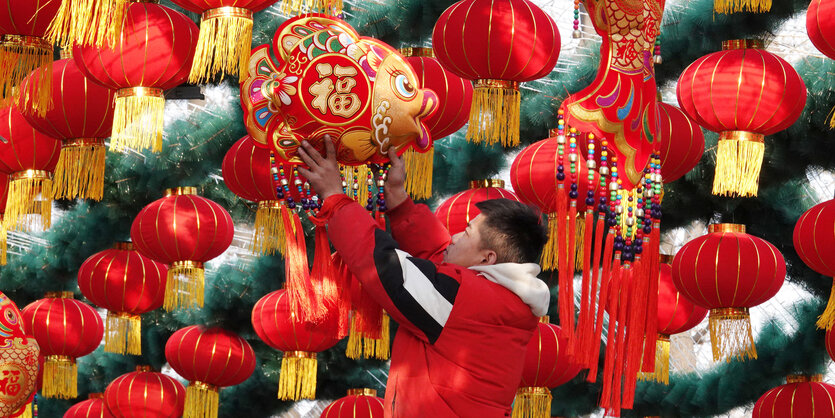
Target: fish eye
(11,316)
(403,87)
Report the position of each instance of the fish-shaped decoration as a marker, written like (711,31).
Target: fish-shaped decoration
(18,360)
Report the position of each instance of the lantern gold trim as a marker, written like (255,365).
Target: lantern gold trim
(223,45)
(138,119)
(480,184)
(80,169)
(494,115)
(739,158)
(731,337)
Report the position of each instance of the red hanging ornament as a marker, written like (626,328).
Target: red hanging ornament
(93,407)
(65,329)
(277,325)
(820,25)
(4,194)
(729,271)
(182,230)
(801,396)
(145,394)
(682,142)
(127,284)
(745,93)
(457,211)
(153,54)
(210,359)
(18,357)
(814,241)
(82,118)
(522,44)
(359,403)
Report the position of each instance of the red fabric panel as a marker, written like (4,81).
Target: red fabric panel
(675,313)
(546,361)
(457,211)
(355,406)
(23,147)
(682,142)
(145,395)
(62,326)
(123,281)
(814,238)
(246,171)
(27,17)
(275,326)
(91,408)
(214,356)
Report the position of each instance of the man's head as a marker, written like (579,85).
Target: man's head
(505,232)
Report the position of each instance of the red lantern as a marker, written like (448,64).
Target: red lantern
(29,158)
(65,329)
(359,403)
(744,93)
(153,54)
(801,396)
(184,231)
(820,26)
(457,211)
(210,359)
(547,365)
(93,407)
(23,48)
(682,142)
(522,44)
(4,193)
(127,284)
(81,117)
(814,239)
(729,271)
(277,325)
(145,394)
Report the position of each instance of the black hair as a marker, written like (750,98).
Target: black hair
(513,230)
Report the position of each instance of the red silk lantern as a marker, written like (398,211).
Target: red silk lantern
(209,358)
(820,26)
(729,271)
(182,230)
(277,325)
(23,48)
(522,44)
(547,365)
(359,403)
(153,54)
(4,193)
(18,357)
(29,157)
(145,393)
(457,211)
(814,239)
(93,407)
(65,329)
(81,117)
(127,284)
(801,396)
(682,142)
(744,93)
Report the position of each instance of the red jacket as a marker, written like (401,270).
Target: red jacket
(461,343)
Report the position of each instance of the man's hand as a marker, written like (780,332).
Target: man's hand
(396,181)
(323,173)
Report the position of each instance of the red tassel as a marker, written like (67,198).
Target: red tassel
(624,277)
(636,310)
(611,336)
(565,272)
(652,304)
(323,274)
(594,353)
(585,326)
(369,314)
(568,271)
(343,283)
(296,273)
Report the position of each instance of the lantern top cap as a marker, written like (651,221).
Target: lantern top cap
(96,396)
(665,258)
(144,368)
(59,295)
(804,378)
(123,245)
(362,392)
(417,52)
(545,319)
(717,228)
(480,184)
(180,191)
(742,44)
(65,53)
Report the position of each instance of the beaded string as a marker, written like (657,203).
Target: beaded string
(657,50)
(616,203)
(577,33)
(591,164)
(572,159)
(657,187)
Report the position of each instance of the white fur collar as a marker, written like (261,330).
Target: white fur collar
(522,281)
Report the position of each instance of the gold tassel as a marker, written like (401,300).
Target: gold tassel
(184,287)
(80,170)
(831,117)
(532,402)
(123,333)
(827,318)
(579,241)
(494,116)
(419,173)
(354,349)
(27,411)
(223,45)
(739,158)
(88,22)
(734,6)
(201,401)
(60,378)
(730,335)
(378,348)
(3,243)
(29,203)
(297,379)
(138,119)
(19,56)
(662,362)
(289,7)
(550,251)
(269,236)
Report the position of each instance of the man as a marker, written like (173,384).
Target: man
(466,306)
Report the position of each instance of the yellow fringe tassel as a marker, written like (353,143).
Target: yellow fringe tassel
(223,45)
(19,56)
(358,174)
(88,22)
(662,363)
(3,244)
(579,241)
(550,251)
(831,117)
(378,348)
(268,236)
(328,7)
(123,334)
(419,167)
(202,401)
(738,164)
(27,411)
(80,170)
(354,349)
(28,205)
(734,6)
(138,120)
(184,287)
(730,335)
(827,318)
(60,378)
(494,116)
(297,379)
(532,402)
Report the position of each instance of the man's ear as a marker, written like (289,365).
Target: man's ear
(489,257)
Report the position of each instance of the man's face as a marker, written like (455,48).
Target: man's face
(465,247)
